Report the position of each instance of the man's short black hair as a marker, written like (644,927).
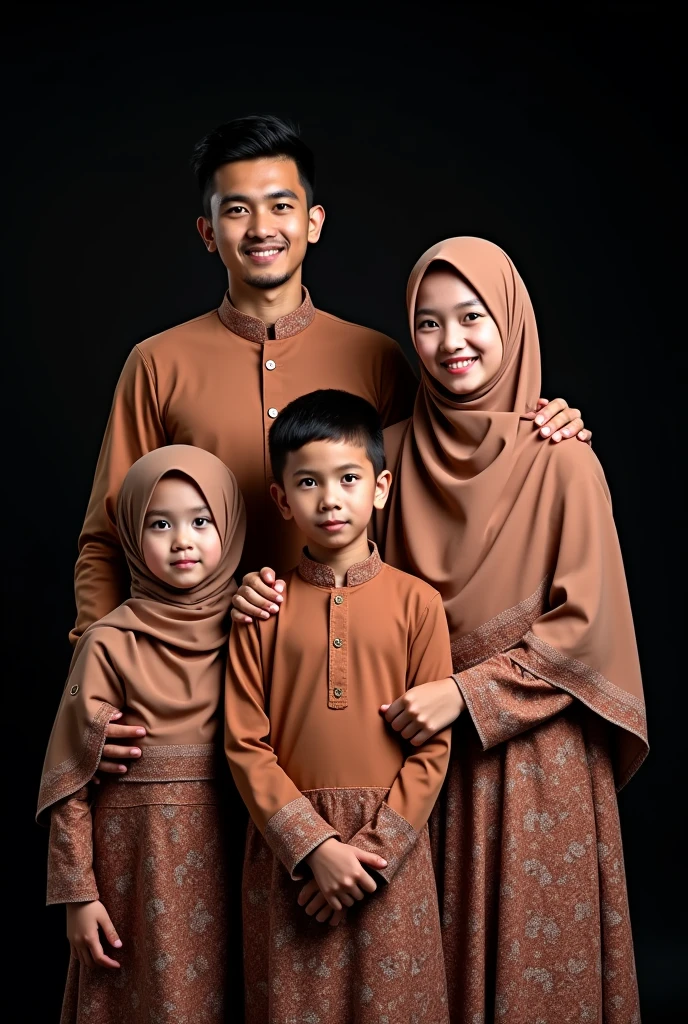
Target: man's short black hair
(249,138)
(326,415)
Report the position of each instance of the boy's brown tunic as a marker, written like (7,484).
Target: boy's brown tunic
(313,758)
(218,382)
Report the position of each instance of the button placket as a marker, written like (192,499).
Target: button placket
(338,696)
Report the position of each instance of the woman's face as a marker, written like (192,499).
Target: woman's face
(456,338)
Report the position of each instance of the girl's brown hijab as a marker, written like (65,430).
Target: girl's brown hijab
(515,532)
(160,654)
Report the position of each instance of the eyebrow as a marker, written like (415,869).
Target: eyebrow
(166,512)
(237,197)
(459,305)
(339,469)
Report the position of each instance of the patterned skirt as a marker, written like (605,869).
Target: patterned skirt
(161,871)
(382,964)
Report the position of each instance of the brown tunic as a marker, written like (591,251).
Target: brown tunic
(217,382)
(313,758)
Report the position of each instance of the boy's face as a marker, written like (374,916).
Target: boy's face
(330,489)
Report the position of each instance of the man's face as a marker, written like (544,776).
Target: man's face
(260,223)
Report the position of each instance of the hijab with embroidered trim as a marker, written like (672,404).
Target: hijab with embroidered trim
(160,655)
(515,532)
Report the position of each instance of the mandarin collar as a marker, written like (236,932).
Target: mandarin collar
(253,329)
(323,576)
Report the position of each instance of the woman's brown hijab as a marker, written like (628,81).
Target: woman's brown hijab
(160,655)
(515,532)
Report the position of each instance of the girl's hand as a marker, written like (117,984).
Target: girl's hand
(83,922)
(315,903)
(339,873)
(424,710)
(557,422)
(258,597)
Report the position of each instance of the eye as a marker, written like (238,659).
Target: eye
(201,521)
(307,481)
(160,524)
(236,209)
(472,317)
(282,206)
(350,478)
(427,325)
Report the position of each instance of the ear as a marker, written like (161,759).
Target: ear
(205,230)
(316,217)
(382,486)
(278,495)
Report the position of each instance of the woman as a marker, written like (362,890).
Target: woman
(519,539)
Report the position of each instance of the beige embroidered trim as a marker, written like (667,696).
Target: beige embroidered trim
(295,831)
(501,632)
(139,794)
(174,762)
(71,774)
(253,329)
(323,576)
(389,835)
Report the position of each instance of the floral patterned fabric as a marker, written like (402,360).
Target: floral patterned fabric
(382,964)
(161,868)
(529,863)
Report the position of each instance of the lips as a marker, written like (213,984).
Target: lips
(457,366)
(332,525)
(264,254)
(184,563)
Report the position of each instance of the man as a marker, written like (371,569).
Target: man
(220,380)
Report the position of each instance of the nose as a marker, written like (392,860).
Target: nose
(453,340)
(181,540)
(261,225)
(330,498)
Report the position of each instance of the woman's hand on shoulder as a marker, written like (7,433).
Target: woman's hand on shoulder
(556,421)
(258,597)
(425,710)
(84,923)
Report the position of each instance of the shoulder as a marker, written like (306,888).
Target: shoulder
(393,438)
(571,459)
(409,587)
(182,334)
(100,643)
(356,333)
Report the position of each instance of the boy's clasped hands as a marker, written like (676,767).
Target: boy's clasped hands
(339,879)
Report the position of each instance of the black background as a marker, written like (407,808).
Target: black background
(550,131)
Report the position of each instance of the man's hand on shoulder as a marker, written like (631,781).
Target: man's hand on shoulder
(556,421)
(258,597)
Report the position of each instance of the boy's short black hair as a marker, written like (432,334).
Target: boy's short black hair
(326,415)
(249,138)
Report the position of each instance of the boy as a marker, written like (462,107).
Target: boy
(334,794)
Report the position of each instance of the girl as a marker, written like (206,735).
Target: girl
(146,864)
(519,540)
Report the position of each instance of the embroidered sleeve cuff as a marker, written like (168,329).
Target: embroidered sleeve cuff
(70,852)
(504,701)
(389,835)
(295,831)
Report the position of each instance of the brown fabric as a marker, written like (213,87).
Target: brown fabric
(384,963)
(160,865)
(284,735)
(160,655)
(207,383)
(485,511)
(530,872)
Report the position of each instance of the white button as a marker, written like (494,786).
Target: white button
(270,365)
(272,413)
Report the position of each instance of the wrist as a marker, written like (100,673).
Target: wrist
(319,850)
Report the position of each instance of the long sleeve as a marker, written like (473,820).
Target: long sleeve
(398,386)
(504,700)
(134,428)
(70,851)
(400,818)
(287,820)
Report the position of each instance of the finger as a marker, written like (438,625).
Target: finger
(422,737)
(368,883)
(100,958)
(262,591)
(347,900)
(395,708)
(316,904)
(251,604)
(112,768)
(548,411)
(324,914)
(355,891)
(85,956)
(570,429)
(268,576)
(411,729)
(115,716)
(334,902)
(130,732)
(562,419)
(109,930)
(307,892)
(401,721)
(238,616)
(585,436)
(337,917)
(373,860)
(113,751)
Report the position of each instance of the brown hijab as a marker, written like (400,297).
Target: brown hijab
(160,655)
(516,533)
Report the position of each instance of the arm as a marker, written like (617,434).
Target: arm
(397,385)
(285,817)
(399,819)
(134,428)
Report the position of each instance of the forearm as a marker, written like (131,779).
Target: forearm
(101,581)
(70,852)
(504,700)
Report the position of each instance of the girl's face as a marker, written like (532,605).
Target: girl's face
(180,543)
(456,338)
